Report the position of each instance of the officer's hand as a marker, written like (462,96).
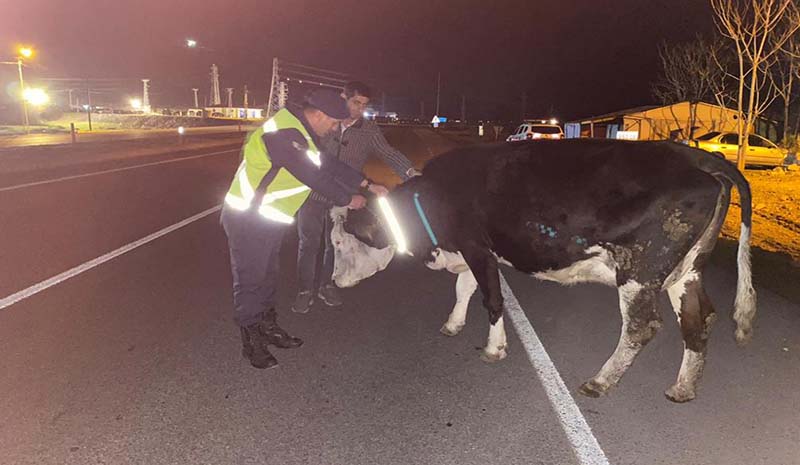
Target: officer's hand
(378,189)
(357,202)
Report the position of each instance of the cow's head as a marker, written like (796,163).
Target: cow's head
(354,259)
(392,223)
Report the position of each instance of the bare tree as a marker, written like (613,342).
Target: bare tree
(689,73)
(784,78)
(758,29)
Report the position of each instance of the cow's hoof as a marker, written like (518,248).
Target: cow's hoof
(450,331)
(679,394)
(495,356)
(593,389)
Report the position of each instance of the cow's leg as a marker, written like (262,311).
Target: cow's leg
(496,344)
(696,316)
(640,322)
(483,264)
(465,287)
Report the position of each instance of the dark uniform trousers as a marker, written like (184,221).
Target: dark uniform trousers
(314,227)
(255,244)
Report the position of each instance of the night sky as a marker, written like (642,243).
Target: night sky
(573,58)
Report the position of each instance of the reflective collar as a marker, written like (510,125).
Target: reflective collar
(394,225)
(424,219)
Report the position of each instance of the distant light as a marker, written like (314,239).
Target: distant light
(136,103)
(366,114)
(85,106)
(553,121)
(191,43)
(181,130)
(26,52)
(35,96)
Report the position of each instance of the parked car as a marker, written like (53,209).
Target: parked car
(760,151)
(530,130)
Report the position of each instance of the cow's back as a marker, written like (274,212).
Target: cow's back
(544,202)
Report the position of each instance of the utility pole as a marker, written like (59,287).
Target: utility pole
(145,95)
(196,103)
(22,93)
(383,103)
(246,93)
(71,106)
(273,103)
(438,90)
(215,98)
(283,94)
(89,106)
(463,108)
(230,96)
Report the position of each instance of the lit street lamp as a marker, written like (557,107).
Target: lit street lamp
(24,52)
(35,97)
(136,104)
(191,43)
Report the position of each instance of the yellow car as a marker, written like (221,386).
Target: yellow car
(760,151)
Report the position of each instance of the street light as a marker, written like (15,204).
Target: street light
(136,104)
(191,43)
(24,52)
(35,97)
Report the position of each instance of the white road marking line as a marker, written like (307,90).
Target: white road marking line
(115,170)
(36,288)
(580,436)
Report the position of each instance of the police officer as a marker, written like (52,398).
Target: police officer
(281,165)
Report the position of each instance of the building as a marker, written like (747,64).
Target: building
(234,113)
(664,122)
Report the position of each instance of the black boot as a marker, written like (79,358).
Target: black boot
(276,335)
(254,347)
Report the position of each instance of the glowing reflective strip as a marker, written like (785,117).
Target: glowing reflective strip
(244,184)
(275,214)
(314,156)
(394,225)
(265,210)
(236,202)
(270,126)
(273,196)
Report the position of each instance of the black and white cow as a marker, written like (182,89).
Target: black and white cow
(640,216)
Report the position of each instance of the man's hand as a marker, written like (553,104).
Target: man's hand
(356,202)
(378,190)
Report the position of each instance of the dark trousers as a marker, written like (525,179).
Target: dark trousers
(314,226)
(255,244)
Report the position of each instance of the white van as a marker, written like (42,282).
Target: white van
(539,129)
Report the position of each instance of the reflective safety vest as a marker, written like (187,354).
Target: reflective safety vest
(284,194)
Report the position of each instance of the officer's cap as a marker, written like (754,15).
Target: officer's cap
(328,101)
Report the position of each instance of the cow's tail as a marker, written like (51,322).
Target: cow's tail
(745,303)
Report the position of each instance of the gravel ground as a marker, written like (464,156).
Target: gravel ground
(776,212)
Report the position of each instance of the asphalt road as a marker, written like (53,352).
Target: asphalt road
(136,360)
